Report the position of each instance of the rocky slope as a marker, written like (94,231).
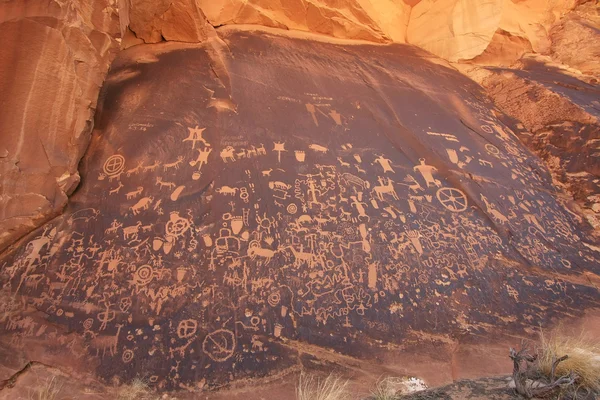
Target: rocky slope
(261,189)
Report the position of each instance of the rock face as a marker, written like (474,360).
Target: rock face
(556,98)
(561,114)
(499,31)
(576,39)
(166,20)
(496,31)
(54,58)
(372,20)
(240,196)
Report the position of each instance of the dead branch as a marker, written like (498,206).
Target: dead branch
(522,370)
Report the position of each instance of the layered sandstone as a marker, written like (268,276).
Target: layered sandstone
(54,58)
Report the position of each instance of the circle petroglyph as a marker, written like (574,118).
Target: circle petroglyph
(127,356)
(114,165)
(452,199)
(490,148)
(219,345)
(187,328)
(144,275)
(177,226)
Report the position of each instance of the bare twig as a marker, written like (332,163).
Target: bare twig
(522,368)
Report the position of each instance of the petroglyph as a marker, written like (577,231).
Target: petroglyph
(212,245)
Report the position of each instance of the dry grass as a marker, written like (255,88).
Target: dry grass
(138,389)
(583,352)
(313,388)
(386,389)
(50,390)
(392,388)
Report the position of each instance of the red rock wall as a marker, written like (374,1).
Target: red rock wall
(54,58)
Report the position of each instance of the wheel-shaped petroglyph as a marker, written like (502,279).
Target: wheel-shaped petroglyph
(219,345)
(452,199)
(177,225)
(187,328)
(114,165)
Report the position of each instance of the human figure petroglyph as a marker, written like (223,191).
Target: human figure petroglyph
(202,158)
(385,163)
(426,172)
(386,186)
(195,135)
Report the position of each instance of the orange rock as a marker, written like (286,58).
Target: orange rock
(53,61)
(156,21)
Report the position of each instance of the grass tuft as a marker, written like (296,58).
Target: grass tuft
(386,388)
(313,388)
(583,352)
(50,390)
(138,389)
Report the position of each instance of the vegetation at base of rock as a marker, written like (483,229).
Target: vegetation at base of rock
(138,389)
(583,360)
(563,365)
(50,390)
(311,387)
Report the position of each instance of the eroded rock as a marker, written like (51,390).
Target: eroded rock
(54,58)
(165,20)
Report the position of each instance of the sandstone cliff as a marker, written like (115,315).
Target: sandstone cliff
(54,58)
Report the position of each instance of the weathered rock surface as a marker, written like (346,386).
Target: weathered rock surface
(237,197)
(164,20)
(557,99)
(372,20)
(54,58)
(561,114)
(498,31)
(576,39)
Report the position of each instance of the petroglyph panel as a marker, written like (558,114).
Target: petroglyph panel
(345,201)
